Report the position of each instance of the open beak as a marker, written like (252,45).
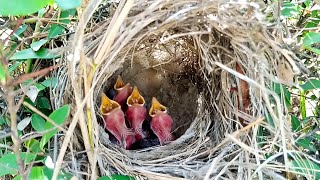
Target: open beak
(135,97)
(107,105)
(156,106)
(119,83)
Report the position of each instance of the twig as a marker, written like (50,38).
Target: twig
(33,135)
(12,108)
(25,77)
(6,147)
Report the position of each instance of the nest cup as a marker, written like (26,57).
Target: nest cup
(185,53)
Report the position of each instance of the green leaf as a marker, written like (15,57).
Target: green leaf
(37,44)
(62,175)
(37,173)
(305,143)
(303,108)
(310,85)
(58,116)
(30,54)
(39,87)
(116,177)
(24,123)
(311,38)
(289,9)
(21,7)
(21,29)
(2,120)
(9,164)
(2,73)
(287,95)
(41,12)
(295,124)
(57,29)
(43,103)
(276,88)
(33,145)
(50,82)
(38,123)
(306,167)
(70,4)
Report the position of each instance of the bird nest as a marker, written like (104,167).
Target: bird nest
(212,63)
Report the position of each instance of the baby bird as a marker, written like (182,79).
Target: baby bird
(115,122)
(123,91)
(161,122)
(136,113)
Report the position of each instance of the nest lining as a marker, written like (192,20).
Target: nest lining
(215,37)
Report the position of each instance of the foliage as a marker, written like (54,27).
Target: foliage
(22,51)
(32,43)
(303,101)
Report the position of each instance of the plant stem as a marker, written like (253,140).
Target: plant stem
(15,137)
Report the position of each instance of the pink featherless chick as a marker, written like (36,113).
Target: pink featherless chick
(115,122)
(161,122)
(136,113)
(123,91)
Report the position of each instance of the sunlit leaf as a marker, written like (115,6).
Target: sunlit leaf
(32,93)
(289,9)
(37,44)
(30,54)
(311,38)
(70,4)
(9,162)
(312,84)
(2,73)
(49,163)
(37,173)
(41,12)
(21,7)
(23,123)
(50,82)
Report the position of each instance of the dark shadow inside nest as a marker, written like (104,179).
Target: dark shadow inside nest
(176,84)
